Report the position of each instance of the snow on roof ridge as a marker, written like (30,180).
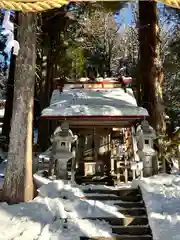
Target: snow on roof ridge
(91,102)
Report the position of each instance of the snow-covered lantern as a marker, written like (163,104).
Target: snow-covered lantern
(65,137)
(145,135)
(61,148)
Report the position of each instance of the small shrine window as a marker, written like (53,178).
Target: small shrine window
(146,141)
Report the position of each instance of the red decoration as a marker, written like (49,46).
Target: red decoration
(126,80)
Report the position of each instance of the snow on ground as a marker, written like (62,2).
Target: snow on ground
(161,194)
(58,213)
(72,198)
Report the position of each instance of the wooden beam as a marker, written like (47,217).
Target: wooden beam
(86,131)
(92,82)
(90,123)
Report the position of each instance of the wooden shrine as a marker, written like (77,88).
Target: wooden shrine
(102,115)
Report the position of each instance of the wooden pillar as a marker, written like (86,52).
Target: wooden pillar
(96,148)
(134,148)
(73,166)
(125,169)
(118,164)
(111,157)
(79,154)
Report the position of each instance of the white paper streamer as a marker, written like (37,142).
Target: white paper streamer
(9,31)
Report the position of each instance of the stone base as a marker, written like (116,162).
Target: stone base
(147,172)
(61,170)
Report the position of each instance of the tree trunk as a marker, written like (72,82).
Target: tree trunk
(18,184)
(151,72)
(150,67)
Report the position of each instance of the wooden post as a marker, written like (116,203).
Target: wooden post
(95,139)
(73,166)
(134,148)
(118,162)
(112,157)
(80,153)
(125,170)
(126,156)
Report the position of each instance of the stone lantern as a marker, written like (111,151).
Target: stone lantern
(145,136)
(61,149)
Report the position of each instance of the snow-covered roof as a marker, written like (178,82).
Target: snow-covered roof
(93,102)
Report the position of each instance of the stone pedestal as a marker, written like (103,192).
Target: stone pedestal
(61,169)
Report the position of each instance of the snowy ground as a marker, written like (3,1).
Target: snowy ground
(161,194)
(58,213)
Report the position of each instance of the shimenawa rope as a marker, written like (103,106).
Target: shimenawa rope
(31,5)
(42,5)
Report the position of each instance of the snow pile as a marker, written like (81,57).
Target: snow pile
(61,189)
(161,194)
(75,203)
(59,212)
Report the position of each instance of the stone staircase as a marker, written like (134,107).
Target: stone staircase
(134,224)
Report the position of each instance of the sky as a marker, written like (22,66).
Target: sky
(125,15)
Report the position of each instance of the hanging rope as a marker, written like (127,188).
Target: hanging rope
(42,5)
(31,5)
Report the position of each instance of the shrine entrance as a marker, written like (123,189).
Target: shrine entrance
(107,153)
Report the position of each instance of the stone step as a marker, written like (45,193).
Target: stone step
(122,204)
(95,183)
(118,192)
(131,230)
(89,181)
(126,221)
(109,197)
(120,237)
(130,204)
(132,211)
